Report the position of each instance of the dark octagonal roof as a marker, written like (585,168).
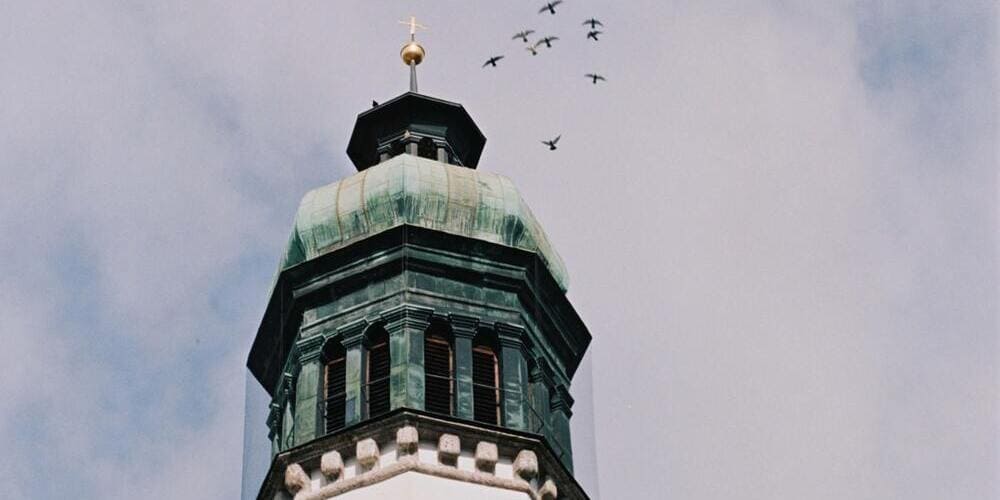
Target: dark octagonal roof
(415,112)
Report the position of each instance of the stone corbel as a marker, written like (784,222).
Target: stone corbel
(562,401)
(512,336)
(309,348)
(285,386)
(407,315)
(545,372)
(463,326)
(352,333)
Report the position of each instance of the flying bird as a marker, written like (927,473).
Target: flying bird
(550,7)
(492,61)
(531,49)
(594,23)
(523,35)
(593,34)
(552,144)
(595,77)
(547,41)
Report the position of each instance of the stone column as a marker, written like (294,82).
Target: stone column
(406,325)
(352,337)
(286,410)
(514,375)
(539,399)
(463,328)
(307,389)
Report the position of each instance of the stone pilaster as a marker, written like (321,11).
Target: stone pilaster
(307,389)
(463,328)
(352,338)
(274,427)
(514,376)
(406,325)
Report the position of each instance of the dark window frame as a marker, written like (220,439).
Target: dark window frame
(334,408)
(439,370)
(378,359)
(486,380)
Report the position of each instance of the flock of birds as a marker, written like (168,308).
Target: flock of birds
(546,42)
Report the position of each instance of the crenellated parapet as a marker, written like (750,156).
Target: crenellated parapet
(425,456)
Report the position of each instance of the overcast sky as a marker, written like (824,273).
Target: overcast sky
(779,218)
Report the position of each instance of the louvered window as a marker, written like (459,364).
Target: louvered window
(377,373)
(485,384)
(438,368)
(334,386)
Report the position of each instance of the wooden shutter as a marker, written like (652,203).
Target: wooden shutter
(378,375)
(335,385)
(485,385)
(438,369)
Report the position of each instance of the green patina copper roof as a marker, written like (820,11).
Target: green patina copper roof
(412,190)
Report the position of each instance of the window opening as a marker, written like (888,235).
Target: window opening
(485,382)
(439,370)
(334,386)
(377,373)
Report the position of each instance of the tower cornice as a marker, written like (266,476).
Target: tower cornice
(405,249)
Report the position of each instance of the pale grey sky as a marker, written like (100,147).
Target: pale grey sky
(780,221)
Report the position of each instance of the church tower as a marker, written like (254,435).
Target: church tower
(418,342)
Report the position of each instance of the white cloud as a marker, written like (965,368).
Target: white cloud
(775,199)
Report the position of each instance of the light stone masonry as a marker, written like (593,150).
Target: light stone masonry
(486,456)
(369,467)
(331,465)
(367,453)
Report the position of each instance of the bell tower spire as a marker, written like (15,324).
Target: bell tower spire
(418,343)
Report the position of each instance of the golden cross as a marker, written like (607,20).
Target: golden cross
(412,23)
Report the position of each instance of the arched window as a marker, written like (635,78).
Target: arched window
(377,372)
(485,380)
(439,369)
(334,385)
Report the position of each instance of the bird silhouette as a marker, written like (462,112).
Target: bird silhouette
(550,7)
(492,61)
(593,34)
(531,49)
(547,41)
(523,35)
(374,103)
(594,23)
(552,144)
(595,77)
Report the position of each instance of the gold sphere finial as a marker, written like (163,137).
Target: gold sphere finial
(412,52)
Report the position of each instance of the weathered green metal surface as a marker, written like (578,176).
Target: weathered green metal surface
(463,377)
(412,190)
(514,377)
(306,394)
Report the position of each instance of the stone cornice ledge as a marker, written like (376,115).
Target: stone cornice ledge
(412,464)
